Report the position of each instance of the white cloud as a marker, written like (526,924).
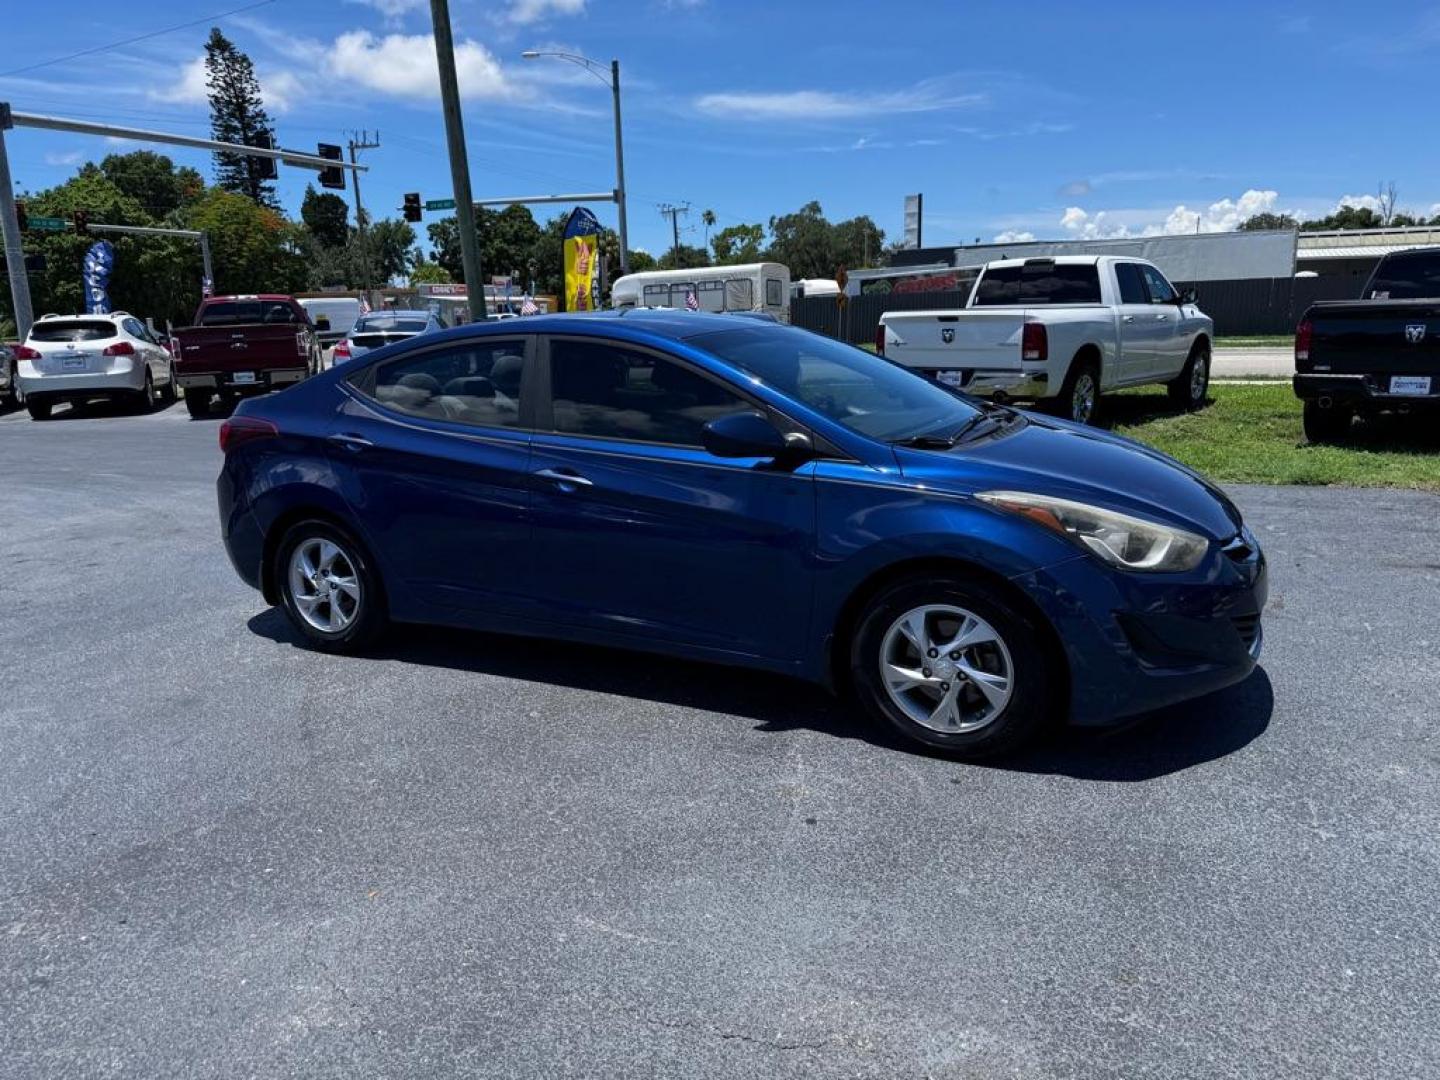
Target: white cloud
(392,9)
(72,157)
(1223,216)
(1074,218)
(931,95)
(525,12)
(1359,202)
(188,89)
(404,65)
(1013,236)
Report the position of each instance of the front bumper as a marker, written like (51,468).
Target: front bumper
(1139,642)
(1372,390)
(225,380)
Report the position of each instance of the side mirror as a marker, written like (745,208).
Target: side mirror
(1187,296)
(740,435)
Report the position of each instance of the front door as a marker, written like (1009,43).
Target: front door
(1139,331)
(1171,350)
(432,454)
(640,531)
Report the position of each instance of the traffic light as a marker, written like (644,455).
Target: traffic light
(412,206)
(262,168)
(81,220)
(333,177)
(21,218)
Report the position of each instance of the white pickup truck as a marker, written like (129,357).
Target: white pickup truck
(1060,331)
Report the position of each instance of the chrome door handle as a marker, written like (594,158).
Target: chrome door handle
(563,477)
(1127,318)
(350,442)
(1162,317)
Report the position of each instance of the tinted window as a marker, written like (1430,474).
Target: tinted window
(1414,276)
(613,392)
(1039,282)
(855,388)
(389,324)
(239,312)
(1161,291)
(72,330)
(474,383)
(1132,285)
(772,292)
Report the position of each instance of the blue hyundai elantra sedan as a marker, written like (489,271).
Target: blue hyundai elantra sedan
(752,494)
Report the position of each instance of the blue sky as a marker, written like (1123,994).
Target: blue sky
(1043,119)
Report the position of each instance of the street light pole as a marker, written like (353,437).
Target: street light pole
(598,70)
(459,163)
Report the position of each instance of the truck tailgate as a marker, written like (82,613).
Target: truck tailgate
(974,340)
(250,347)
(1393,337)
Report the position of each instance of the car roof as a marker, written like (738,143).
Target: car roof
(674,323)
(247,296)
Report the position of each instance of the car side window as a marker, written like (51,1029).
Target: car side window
(1161,291)
(475,383)
(605,390)
(1132,285)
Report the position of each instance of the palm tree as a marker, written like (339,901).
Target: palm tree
(708,218)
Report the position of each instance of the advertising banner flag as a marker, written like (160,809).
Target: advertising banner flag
(582,258)
(96,267)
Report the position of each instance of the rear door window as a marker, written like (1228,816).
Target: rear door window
(72,330)
(477,383)
(1039,282)
(1132,285)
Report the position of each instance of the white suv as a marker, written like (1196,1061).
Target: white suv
(78,357)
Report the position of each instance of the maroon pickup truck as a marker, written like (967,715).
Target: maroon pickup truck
(244,345)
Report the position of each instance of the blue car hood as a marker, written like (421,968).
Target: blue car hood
(1046,456)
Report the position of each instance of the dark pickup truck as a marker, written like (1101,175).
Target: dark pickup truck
(1380,353)
(242,345)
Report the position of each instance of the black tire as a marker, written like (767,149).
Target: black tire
(170,393)
(1326,425)
(145,402)
(1075,391)
(1188,389)
(197,403)
(367,616)
(38,410)
(1034,685)
(17,396)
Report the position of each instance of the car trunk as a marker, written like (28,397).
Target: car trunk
(374,341)
(1375,337)
(973,340)
(242,347)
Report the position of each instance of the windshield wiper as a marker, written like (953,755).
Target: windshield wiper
(931,441)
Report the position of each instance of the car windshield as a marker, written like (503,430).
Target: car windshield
(861,391)
(389,324)
(72,330)
(1407,277)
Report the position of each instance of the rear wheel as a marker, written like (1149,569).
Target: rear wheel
(328,588)
(197,403)
(1188,389)
(950,663)
(1079,398)
(38,410)
(168,395)
(145,403)
(1326,425)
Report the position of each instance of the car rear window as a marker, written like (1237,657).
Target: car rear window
(1039,283)
(1406,277)
(389,324)
(237,312)
(72,330)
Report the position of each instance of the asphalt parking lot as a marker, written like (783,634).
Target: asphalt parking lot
(224,855)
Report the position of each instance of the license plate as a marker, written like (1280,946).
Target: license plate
(72,363)
(950,378)
(1410,384)
(243,377)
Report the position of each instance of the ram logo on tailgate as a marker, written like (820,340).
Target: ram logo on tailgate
(947,335)
(1415,333)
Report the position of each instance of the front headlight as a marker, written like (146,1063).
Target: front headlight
(1121,540)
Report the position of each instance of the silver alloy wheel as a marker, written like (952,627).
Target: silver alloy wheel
(324,585)
(946,668)
(1200,377)
(1082,399)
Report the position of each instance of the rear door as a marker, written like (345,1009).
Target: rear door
(639,531)
(432,450)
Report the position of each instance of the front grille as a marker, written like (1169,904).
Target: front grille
(1248,627)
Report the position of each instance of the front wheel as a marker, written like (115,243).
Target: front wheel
(1326,425)
(954,665)
(1188,389)
(328,588)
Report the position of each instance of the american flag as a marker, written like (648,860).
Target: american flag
(527,306)
(692,302)
(364,305)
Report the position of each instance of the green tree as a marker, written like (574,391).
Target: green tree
(707,218)
(237,115)
(425,272)
(391,243)
(254,248)
(1346,217)
(738,244)
(326,216)
(640,261)
(857,242)
(152,180)
(1258,222)
(684,257)
(804,241)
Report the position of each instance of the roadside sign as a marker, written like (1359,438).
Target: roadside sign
(439,204)
(47,224)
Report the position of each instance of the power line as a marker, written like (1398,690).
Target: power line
(673,213)
(133,40)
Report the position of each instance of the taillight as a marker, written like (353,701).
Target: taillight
(880,339)
(24,352)
(342,351)
(239,430)
(1034,342)
(301,345)
(120,348)
(1303,333)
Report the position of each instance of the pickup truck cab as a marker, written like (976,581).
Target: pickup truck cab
(1060,331)
(244,345)
(1374,355)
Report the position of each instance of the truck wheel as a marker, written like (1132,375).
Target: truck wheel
(197,403)
(38,410)
(948,662)
(1079,398)
(1188,389)
(328,588)
(1326,425)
